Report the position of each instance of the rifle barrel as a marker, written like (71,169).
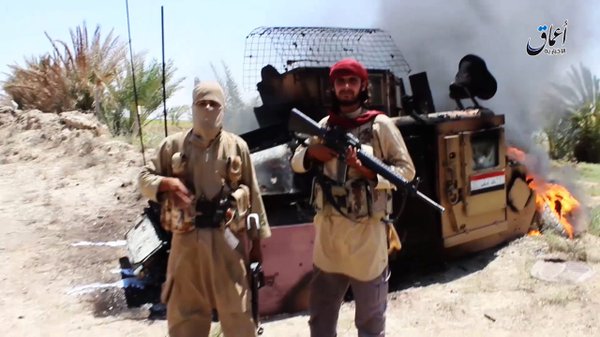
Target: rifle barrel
(299,122)
(385,171)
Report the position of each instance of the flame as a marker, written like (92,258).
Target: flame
(558,199)
(534,232)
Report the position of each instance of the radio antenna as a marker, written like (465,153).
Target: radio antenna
(162,29)
(135,97)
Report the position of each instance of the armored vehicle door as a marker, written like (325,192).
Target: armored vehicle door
(473,183)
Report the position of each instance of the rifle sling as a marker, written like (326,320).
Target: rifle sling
(323,181)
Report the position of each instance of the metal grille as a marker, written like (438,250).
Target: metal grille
(286,48)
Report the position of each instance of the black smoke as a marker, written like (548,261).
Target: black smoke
(434,35)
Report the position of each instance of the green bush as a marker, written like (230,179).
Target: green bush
(117,106)
(574,127)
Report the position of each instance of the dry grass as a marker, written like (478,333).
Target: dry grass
(590,177)
(69,78)
(594,227)
(574,249)
(42,83)
(154,132)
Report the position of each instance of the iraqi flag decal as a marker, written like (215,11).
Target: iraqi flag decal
(486,182)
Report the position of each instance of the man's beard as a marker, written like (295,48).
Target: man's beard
(349,102)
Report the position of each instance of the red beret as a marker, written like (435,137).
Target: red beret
(348,66)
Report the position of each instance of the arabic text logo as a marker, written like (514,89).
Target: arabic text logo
(548,36)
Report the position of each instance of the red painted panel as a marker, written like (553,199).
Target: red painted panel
(287,264)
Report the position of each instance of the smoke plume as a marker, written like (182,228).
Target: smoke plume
(435,35)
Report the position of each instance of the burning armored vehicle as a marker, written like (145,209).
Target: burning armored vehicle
(460,159)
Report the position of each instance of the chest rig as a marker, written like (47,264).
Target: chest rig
(228,208)
(353,197)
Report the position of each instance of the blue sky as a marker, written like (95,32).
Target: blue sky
(431,33)
(196,32)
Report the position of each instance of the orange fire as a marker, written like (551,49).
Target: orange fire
(558,199)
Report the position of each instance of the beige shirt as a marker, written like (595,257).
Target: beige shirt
(205,170)
(357,248)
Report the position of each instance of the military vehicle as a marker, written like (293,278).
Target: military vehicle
(460,159)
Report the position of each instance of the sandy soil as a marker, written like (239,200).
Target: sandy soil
(62,185)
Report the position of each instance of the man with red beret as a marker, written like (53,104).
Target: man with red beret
(352,206)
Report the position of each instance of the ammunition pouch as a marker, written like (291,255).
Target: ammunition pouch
(210,213)
(355,199)
(174,219)
(382,202)
(239,203)
(352,199)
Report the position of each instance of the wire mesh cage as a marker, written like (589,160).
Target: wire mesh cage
(286,48)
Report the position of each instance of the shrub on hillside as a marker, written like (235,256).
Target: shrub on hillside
(91,73)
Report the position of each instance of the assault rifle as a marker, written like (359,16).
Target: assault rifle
(339,140)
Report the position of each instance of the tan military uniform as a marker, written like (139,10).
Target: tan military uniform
(358,247)
(204,271)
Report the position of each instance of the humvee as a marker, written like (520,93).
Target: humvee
(459,155)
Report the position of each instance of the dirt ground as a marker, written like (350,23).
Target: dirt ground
(64,185)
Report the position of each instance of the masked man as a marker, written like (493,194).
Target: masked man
(352,205)
(207,186)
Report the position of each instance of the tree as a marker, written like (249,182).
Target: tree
(574,127)
(91,73)
(239,116)
(176,113)
(118,109)
(41,84)
(67,78)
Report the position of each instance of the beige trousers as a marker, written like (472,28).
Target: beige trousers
(203,273)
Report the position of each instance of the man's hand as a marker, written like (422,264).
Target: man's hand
(255,254)
(180,194)
(353,161)
(320,152)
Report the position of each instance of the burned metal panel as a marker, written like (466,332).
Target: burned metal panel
(273,170)
(418,226)
(309,90)
(304,89)
(452,125)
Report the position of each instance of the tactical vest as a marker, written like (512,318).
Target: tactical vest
(228,208)
(354,198)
